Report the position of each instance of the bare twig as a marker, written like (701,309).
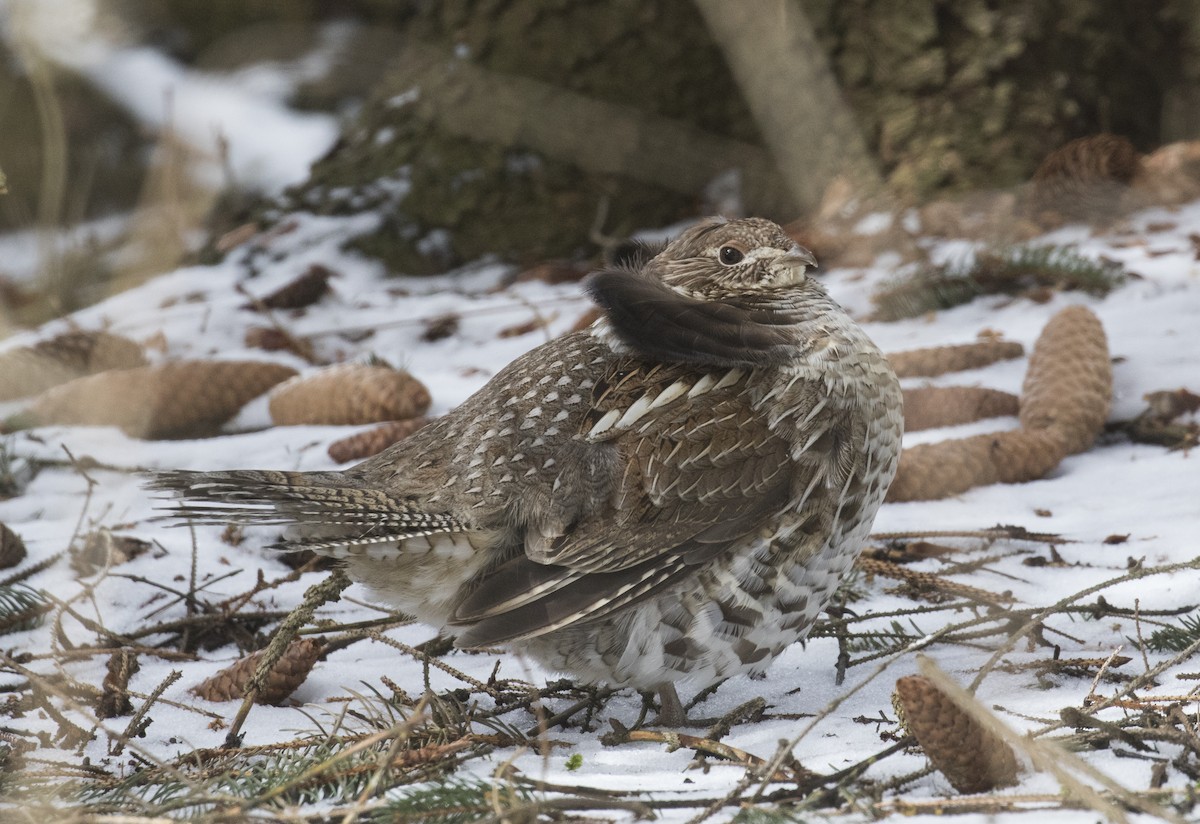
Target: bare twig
(136,724)
(318,594)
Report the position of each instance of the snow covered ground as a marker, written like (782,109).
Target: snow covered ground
(242,115)
(1118,488)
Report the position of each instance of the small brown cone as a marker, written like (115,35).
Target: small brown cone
(271,339)
(305,290)
(29,370)
(1068,385)
(171,400)
(93,351)
(289,672)
(12,548)
(523,328)
(373,441)
(100,548)
(938,360)
(971,757)
(1167,405)
(929,407)
(939,470)
(114,699)
(267,338)
(441,327)
(348,394)
(236,237)
(1086,179)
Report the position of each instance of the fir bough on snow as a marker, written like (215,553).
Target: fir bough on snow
(1175,639)
(1012,271)
(21,608)
(456,801)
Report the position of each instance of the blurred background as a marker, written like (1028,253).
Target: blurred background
(139,135)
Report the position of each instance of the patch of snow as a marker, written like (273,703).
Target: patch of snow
(874,223)
(243,113)
(21,250)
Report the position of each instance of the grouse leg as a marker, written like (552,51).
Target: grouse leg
(671,714)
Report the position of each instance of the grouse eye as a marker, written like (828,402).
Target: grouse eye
(731,255)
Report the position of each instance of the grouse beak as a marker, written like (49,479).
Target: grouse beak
(789,266)
(799,256)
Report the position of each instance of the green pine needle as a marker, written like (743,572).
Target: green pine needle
(21,608)
(767,815)
(1175,639)
(1013,271)
(454,801)
(897,637)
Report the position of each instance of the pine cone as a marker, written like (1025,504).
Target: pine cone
(350,393)
(12,548)
(1068,385)
(29,370)
(939,470)
(236,236)
(270,339)
(101,548)
(971,757)
(373,441)
(266,338)
(929,407)
(1084,180)
(303,291)
(443,326)
(289,672)
(171,400)
(1167,405)
(523,328)
(938,360)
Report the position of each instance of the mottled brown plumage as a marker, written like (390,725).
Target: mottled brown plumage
(669,495)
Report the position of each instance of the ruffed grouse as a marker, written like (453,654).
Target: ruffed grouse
(668,496)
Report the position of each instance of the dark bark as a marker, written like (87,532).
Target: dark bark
(535,118)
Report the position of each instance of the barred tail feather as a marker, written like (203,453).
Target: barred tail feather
(266,497)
